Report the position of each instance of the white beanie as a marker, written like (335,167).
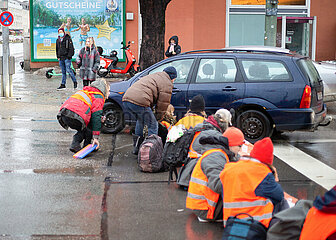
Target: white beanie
(224,114)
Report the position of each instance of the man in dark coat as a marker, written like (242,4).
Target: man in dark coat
(173,48)
(64,51)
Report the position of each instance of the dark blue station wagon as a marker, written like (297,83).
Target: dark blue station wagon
(270,90)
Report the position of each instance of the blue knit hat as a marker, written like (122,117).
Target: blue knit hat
(171,71)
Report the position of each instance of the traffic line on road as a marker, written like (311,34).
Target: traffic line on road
(311,167)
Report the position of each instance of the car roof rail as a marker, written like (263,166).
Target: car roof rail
(256,49)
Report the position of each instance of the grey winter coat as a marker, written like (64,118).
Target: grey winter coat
(186,170)
(89,62)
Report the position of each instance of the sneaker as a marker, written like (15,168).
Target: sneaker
(62,87)
(202,220)
(75,85)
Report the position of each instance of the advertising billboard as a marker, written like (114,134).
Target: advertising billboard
(263,2)
(101,19)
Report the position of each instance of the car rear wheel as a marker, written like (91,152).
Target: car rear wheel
(255,125)
(114,122)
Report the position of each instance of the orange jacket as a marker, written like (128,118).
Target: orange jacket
(200,196)
(318,225)
(239,180)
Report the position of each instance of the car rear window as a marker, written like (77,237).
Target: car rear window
(309,70)
(257,70)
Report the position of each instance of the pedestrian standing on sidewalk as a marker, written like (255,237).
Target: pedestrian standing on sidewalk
(153,90)
(88,62)
(83,112)
(173,48)
(64,51)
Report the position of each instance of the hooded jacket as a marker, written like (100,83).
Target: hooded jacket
(177,48)
(64,48)
(76,108)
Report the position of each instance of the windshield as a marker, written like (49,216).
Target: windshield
(309,71)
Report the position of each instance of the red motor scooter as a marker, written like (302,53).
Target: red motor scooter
(108,64)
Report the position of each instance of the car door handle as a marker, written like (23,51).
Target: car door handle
(229,88)
(176,90)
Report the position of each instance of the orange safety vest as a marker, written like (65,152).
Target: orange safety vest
(318,225)
(166,124)
(192,153)
(190,121)
(85,96)
(200,196)
(239,180)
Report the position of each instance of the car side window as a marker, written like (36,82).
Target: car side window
(265,71)
(182,67)
(216,71)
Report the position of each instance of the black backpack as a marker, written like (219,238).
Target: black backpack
(175,154)
(150,154)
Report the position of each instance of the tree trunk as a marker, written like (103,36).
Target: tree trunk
(153,14)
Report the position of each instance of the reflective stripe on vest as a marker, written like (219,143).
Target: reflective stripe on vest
(85,97)
(192,153)
(200,196)
(318,225)
(241,198)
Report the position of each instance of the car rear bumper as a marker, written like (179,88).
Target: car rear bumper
(297,119)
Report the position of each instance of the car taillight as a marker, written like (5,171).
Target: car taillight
(306,97)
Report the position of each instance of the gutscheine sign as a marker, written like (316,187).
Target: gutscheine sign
(101,19)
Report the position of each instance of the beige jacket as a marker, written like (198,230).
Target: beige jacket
(152,90)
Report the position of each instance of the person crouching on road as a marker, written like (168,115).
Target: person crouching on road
(249,185)
(88,60)
(83,112)
(205,188)
(153,90)
(196,113)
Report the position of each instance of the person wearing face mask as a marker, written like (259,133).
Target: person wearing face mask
(88,61)
(64,52)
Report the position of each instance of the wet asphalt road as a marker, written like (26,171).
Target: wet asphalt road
(47,194)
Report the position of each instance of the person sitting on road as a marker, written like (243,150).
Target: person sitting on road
(152,90)
(215,125)
(250,186)
(83,112)
(321,218)
(168,120)
(235,138)
(196,113)
(205,188)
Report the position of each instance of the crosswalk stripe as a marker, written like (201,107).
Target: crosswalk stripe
(312,168)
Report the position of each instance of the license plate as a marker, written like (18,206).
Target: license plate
(319,96)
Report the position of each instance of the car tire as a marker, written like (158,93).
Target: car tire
(255,125)
(114,122)
(102,72)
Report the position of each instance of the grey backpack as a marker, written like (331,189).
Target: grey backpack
(289,222)
(150,154)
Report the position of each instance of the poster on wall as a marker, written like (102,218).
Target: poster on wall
(263,2)
(101,19)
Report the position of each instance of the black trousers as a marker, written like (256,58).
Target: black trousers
(85,134)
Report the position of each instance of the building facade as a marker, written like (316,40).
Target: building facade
(304,26)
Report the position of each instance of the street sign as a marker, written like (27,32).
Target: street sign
(6,19)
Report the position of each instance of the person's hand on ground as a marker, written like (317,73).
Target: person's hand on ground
(95,141)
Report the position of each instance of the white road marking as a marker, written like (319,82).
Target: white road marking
(311,167)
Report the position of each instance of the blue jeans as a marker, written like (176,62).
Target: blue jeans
(66,67)
(144,116)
